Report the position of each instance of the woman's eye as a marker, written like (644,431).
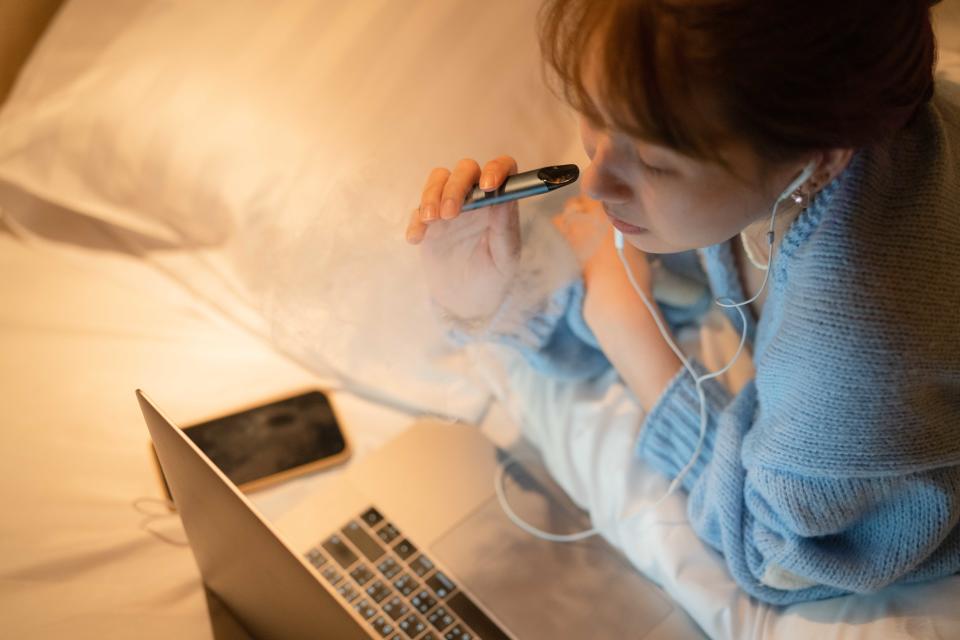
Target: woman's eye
(652,170)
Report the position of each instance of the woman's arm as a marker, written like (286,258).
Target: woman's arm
(622,324)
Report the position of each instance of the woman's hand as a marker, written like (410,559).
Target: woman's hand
(470,259)
(588,231)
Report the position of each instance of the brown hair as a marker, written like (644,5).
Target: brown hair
(786,76)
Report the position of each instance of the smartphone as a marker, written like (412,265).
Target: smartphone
(267,443)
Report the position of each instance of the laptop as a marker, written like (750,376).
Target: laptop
(410,543)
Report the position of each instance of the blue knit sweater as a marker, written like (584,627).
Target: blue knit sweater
(837,468)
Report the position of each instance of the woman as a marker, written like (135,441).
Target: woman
(836,469)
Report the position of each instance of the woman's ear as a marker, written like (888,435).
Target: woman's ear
(831,164)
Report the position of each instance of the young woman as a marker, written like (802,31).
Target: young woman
(836,469)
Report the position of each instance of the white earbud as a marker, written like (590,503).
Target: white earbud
(796,184)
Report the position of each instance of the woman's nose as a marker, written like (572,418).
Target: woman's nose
(600,180)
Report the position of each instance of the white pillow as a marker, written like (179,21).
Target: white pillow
(946,22)
(296,136)
(183,118)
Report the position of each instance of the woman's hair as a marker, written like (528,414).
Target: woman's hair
(785,76)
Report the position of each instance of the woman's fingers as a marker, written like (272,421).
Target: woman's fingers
(444,193)
(460,183)
(432,192)
(584,226)
(496,171)
(416,228)
(429,209)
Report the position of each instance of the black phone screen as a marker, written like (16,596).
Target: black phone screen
(271,438)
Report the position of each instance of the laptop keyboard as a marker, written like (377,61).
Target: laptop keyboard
(395,587)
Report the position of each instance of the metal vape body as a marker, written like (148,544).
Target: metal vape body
(523,185)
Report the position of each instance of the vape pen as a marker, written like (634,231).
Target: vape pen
(523,185)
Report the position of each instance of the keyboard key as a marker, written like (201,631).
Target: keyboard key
(404,549)
(332,575)
(396,608)
(362,574)
(423,601)
(412,625)
(378,591)
(347,591)
(365,609)
(382,626)
(441,584)
(440,619)
(362,540)
(316,558)
(475,618)
(388,533)
(372,517)
(458,633)
(389,568)
(406,584)
(339,551)
(421,565)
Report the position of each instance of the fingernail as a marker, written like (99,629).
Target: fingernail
(428,212)
(486,182)
(449,209)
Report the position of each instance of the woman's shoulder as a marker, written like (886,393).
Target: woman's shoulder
(888,230)
(863,335)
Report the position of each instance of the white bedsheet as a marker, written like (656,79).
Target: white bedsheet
(80,329)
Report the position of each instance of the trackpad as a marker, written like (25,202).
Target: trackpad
(541,589)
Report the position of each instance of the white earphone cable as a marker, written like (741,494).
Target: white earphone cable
(526,526)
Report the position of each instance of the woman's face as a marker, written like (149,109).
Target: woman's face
(665,202)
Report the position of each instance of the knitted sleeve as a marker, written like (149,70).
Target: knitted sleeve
(790,528)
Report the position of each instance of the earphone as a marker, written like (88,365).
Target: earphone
(618,240)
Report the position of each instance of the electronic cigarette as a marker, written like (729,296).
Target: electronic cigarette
(523,185)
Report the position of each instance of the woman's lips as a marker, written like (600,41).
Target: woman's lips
(623,226)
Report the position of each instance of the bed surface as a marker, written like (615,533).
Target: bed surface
(84,322)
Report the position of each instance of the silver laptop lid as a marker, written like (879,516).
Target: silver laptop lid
(267,586)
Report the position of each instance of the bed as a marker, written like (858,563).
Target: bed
(189,197)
